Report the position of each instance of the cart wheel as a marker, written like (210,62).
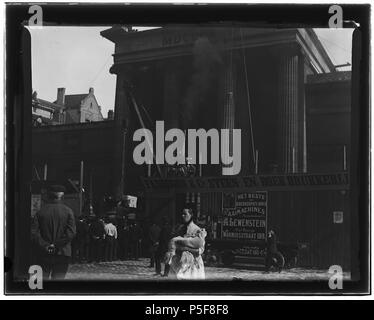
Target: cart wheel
(228,258)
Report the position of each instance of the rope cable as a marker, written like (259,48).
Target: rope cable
(248,98)
(99,72)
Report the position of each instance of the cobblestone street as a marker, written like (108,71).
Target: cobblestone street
(140,270)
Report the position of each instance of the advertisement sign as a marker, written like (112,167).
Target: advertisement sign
(244,218)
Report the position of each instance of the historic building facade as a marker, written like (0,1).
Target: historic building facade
(253,80)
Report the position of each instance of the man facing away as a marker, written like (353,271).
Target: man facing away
(53,229)
(110,238)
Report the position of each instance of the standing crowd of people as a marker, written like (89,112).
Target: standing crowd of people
(60,238)
(106,239)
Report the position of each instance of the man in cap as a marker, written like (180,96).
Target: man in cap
(53,229)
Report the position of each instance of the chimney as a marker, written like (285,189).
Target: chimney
(110,115)
(61,96)
(91,90)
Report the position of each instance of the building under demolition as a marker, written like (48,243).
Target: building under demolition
(278,86)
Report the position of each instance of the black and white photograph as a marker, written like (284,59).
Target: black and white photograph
(188,153)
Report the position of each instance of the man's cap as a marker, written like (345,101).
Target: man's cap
(56,188)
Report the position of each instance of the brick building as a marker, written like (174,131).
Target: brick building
(73,108)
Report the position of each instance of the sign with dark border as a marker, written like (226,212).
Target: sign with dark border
(245,219)
(338,181)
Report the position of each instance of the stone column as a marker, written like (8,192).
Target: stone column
(288,113)
(303,167)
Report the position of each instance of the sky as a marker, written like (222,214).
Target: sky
(78,58)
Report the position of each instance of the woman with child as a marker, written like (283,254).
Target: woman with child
(183,257)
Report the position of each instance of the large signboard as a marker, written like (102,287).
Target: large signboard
(245,219)
(339,181)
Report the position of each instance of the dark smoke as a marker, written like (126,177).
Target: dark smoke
(206,59)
